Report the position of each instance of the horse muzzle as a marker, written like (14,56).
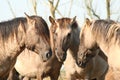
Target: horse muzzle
(81,64)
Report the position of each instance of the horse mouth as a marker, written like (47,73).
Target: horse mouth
(81,64)
(61,60)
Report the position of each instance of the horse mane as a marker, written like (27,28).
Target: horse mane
(42,28)
(107,29)
(9,28)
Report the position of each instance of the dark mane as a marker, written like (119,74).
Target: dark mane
(9,28)
(106,29)
(42,27)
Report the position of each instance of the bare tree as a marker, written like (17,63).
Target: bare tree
(34,3)
(71,3)
(11,9)
(91,12)
(108,8)
(53,7)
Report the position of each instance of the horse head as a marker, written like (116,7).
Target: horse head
(37,37)
(88,46)
(62,35)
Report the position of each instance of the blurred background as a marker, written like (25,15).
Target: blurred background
(93,9)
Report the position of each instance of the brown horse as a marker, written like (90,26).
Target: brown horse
(96,68)
(65,33)
(101,34)
(29,65)
(18,34)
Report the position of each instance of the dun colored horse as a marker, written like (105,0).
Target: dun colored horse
(30,65)
(65,33)
(103,34)
(18,34)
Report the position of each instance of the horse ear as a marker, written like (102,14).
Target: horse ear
(51,20)
(27,16)
(30,21)
(87,21)
(21,27)
(73,20)
(73,23)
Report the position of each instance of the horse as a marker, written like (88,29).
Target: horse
(18,34)
(65,33)
(103,34)
(29,65)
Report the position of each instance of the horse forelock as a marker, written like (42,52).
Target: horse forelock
(42,28)
(64,22)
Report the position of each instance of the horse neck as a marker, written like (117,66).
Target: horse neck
(73,51)
(16,42)
(75,43)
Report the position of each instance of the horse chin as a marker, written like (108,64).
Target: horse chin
(83,65)
(60,60)
(44,60)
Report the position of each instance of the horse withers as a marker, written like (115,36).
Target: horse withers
(18,34)
(103,34)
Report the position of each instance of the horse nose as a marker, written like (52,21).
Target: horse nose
(49,54)
(80,63)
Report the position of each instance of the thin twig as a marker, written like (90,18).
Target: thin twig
(11,9)
(70,8)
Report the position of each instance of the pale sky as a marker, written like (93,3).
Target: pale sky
(78,9)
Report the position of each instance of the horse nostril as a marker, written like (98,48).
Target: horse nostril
(64,56)
(81,54)
(80,63)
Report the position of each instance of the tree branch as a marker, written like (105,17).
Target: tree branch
(108,8)
(90,9)
(59,13)
(34,3)
(93,12)
(11,8)
(70,8)
(52,7)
